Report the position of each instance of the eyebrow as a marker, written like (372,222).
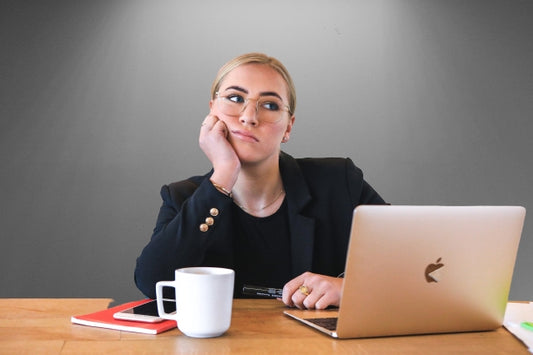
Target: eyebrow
(265,93)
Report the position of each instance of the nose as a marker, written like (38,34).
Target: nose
(249,113)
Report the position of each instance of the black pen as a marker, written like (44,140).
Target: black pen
(262,291)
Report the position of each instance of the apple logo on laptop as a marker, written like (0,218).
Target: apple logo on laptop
(431,273)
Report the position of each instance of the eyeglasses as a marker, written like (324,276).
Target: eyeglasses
(269,109)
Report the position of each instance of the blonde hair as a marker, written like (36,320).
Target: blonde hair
(256,58)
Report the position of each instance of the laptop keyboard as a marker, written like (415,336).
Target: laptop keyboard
(328,323)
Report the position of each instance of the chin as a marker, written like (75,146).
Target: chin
(257,158)
(248,158)
(249,154)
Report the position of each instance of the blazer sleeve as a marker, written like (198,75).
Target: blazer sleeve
(182,238)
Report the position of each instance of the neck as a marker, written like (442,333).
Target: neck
(259,191)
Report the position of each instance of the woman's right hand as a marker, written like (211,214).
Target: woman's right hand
(214,143)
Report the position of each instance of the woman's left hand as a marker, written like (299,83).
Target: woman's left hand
(313,291)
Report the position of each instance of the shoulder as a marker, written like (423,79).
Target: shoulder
(181,190)
(328,168)
(327,165)
(327,178)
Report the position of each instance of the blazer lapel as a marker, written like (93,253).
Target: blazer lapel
(302,228)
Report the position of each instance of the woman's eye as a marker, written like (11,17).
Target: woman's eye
(235,98)
(270,105)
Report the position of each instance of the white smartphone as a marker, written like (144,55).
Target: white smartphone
(146,312)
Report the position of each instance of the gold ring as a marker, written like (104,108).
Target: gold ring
(303,289)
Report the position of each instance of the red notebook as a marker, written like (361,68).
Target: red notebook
(104,319)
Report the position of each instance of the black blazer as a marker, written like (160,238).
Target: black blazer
(321,194)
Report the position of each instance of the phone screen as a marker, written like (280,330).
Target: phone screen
(150,308)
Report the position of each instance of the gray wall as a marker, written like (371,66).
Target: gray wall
(101,103)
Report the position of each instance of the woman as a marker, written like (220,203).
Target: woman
(277,221)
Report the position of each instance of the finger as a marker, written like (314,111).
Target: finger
(325,301)
(311,301)
(221,126)
(291,288)
(209,122)
(213,124)
(286,297)
(300,296)
(330,293)
(298,299)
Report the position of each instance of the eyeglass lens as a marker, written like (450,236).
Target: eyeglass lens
(268,109)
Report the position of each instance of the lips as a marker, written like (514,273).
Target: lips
(245,136)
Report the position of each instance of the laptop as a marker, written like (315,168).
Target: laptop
(424,269)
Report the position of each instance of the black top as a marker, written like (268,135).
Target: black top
(320,195)
(262,249)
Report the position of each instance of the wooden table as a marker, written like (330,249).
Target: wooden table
(36,326)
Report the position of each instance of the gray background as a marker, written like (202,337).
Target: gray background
(101,103)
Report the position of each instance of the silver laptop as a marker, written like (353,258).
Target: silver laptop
(424,269)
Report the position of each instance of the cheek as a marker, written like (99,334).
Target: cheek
(215,112)
(213,109)
(286,126)
(277,134)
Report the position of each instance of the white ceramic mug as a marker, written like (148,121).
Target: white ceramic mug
(204,300)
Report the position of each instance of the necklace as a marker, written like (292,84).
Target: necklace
(262,208)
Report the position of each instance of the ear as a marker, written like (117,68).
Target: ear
(288,130)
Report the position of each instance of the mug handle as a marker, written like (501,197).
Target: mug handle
(159,297)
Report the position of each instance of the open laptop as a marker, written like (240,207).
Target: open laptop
(424,269)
